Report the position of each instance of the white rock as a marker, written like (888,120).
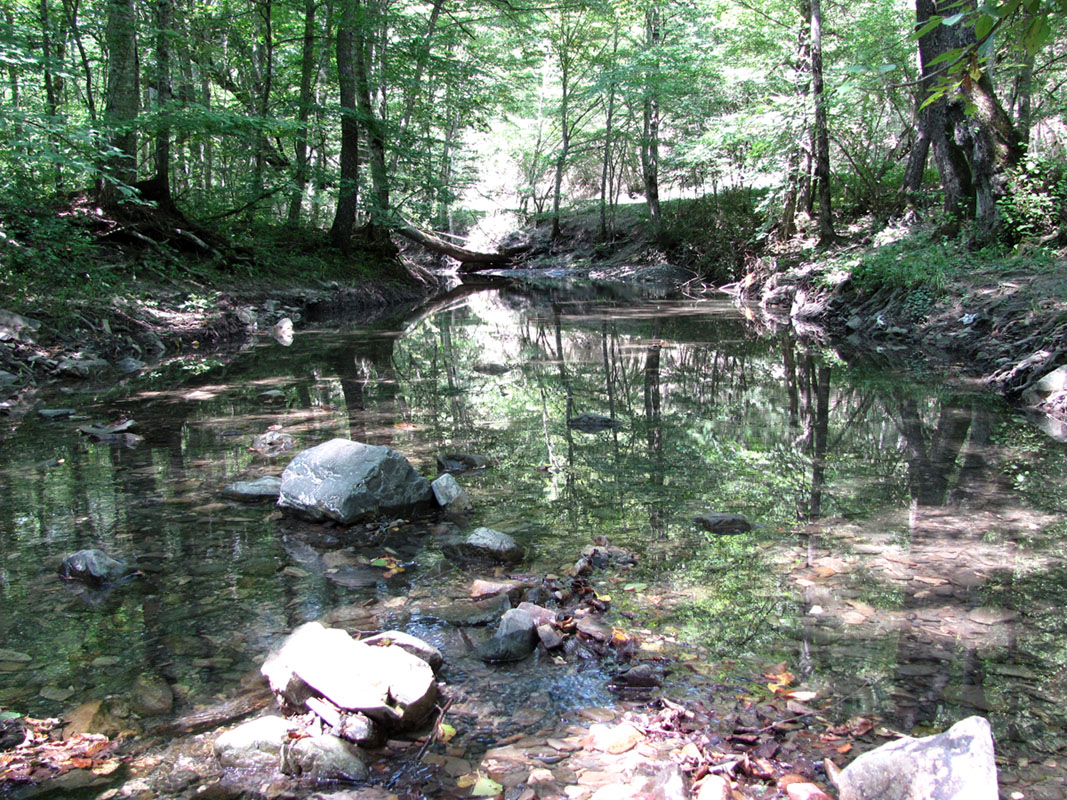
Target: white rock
(955,765)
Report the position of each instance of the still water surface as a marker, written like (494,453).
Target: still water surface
(908,559)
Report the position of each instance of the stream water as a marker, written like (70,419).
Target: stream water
(909,559)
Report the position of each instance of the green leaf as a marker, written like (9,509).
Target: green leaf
(1037,34)
(9,715)
(933,98)
(486,787)
(954,19)
(984,25)
(928,26)
(948,55)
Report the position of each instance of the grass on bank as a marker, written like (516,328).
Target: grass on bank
(50,256)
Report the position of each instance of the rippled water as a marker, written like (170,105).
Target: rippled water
(908,559)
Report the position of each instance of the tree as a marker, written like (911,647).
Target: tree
(123,95)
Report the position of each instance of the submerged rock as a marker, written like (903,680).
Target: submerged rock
(257,491)
(460,462)
(151,695)
(718,522)
(388,684)
(348,481)
(463,613)
(482,544)
(955,765)
(95,567)
(592,423)
(273,443)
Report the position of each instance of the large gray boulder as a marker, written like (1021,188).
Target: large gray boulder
(955,765)
(348,481)
(388,684)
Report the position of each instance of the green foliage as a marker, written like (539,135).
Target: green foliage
(714,234)
(1035,203)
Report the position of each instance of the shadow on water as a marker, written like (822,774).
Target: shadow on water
(908,559)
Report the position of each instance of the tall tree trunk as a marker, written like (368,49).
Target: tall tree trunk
(51,89)
(1022,94)
(123,101)
(345,214)
(379,205)
(164,95)
(650,119)
(822,135)
(307,73)
(263,79)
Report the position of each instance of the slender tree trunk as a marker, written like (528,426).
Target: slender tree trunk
(801,89)
(307,74)
(1022,94)
(605,189)
(13,80)
(345,214)
(123,100)
(70,11)
(822,137)
(564,147)
(651,120)
(414,96)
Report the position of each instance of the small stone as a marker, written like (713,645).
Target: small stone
(449,495)
(323,758)
(91,717)
(255,743)
(549,637)
(55,693)
(613,739)
(714,787)
(483,544)
(128,365)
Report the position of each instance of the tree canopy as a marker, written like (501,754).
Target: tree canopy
(366,116)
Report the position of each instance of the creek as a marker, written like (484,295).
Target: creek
(908,563)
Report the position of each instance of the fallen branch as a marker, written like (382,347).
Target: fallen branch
(471,260)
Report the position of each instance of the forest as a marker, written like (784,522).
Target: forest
(201,127)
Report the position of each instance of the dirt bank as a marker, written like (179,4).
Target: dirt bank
(996,321)
(104,340)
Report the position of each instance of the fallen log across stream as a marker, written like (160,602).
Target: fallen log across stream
(470,260)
